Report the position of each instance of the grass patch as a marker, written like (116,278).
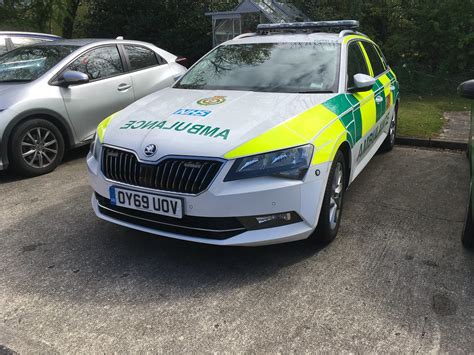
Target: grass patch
(423,116)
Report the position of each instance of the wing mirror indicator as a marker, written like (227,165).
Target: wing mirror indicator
(71,77)
(362,82)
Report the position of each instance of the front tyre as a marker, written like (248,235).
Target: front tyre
(468,232)
(389,142)
(331,210)
(36,147)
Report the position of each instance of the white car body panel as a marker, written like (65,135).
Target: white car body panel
(262,112)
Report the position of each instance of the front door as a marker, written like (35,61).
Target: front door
(109,90)
(363,103)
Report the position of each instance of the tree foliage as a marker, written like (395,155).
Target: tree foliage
(430,43)
(179,26)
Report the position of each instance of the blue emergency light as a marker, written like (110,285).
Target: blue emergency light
(308,26)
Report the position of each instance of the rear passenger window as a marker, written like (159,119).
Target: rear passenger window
(99,63)
(384,61)
(355,63)
(3,46)
(377,65)
(140,57)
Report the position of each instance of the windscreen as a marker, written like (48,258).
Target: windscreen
(26,64)
(304,67)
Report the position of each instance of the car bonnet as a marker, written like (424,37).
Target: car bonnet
(202,123)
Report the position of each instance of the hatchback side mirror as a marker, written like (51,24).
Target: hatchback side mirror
(71,77)
(183,61)
(466,89)
(362,82)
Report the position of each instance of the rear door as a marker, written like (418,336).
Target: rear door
(149,71)
(109,90)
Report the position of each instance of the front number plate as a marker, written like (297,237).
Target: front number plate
(142,201)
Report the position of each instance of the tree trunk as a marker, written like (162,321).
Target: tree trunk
(70,17)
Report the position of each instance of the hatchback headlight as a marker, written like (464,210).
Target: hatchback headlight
(292,163)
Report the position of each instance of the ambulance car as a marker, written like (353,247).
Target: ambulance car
(256,144)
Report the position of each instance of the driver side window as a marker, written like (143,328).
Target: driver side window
(355,63)
(99,63)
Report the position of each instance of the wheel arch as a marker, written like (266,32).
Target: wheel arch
(345,148)
(59,121)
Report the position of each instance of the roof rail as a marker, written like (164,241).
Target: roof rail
(308,26)
(245,35)
(346,33)
(350,32)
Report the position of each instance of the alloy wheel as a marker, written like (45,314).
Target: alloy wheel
(39,147)
(393,128)
(337,190)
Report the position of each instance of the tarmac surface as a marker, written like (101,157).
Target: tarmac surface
(396,279)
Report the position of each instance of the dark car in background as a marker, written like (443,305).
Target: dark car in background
(466,90)
(9,40)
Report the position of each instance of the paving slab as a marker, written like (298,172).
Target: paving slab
(395,280)
(457,126)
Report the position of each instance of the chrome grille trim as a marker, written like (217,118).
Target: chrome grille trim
(185,175)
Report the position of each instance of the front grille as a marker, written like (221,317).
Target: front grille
(184,175)
(218,228)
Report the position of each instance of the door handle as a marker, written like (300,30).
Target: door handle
(379,99)
(123,87)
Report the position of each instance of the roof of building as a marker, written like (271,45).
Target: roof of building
(274,11)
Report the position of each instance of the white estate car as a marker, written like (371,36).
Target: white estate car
(255,144)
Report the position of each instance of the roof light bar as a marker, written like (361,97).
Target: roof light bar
(303,26)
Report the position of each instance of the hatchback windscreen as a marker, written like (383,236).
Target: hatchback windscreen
(29,63)
(271,67)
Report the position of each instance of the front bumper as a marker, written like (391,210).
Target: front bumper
(6,117)
(212,217)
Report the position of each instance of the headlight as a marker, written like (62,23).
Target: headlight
(95,147)
(290,163)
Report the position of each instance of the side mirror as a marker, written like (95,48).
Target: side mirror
(183,61)
(362,82)
(73,78)
(466,89)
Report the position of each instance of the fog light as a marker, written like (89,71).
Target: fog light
(270,221)
(274,217)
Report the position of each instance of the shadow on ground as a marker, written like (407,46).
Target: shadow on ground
(69,156)
(83,258)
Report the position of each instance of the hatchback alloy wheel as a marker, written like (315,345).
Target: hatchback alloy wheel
(39,147)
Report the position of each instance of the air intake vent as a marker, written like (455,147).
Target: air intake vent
(183,175)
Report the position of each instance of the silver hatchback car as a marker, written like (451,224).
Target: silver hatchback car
(53,95)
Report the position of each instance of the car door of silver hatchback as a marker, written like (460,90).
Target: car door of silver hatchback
(108,90)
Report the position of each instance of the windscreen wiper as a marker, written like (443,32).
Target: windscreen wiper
(15,81)
(316,92)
